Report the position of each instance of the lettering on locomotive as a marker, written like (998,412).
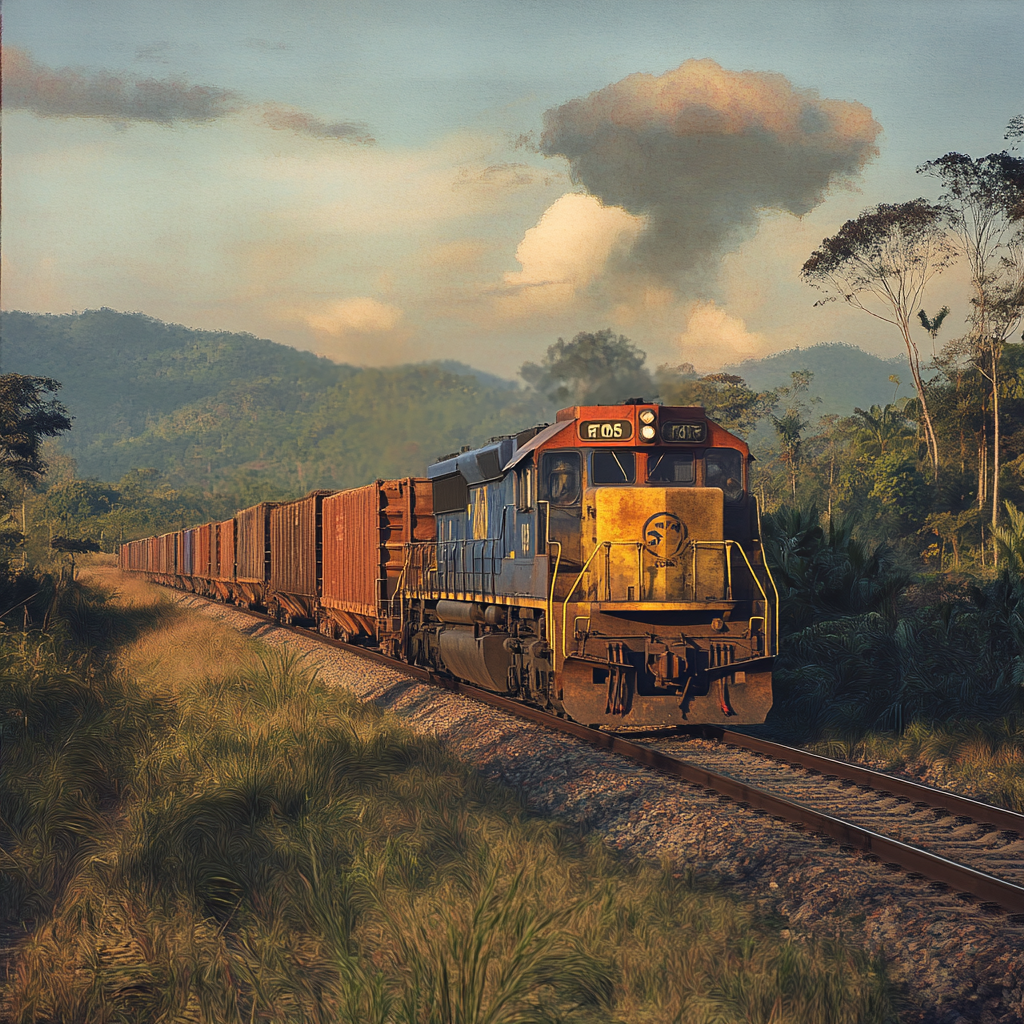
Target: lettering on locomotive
(692,433)
(606,430)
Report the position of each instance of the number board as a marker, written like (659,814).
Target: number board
(606,430)
(684,432)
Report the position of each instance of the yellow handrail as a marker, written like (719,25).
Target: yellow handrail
(565,603)
(771,579)
(551,595)
(728,546)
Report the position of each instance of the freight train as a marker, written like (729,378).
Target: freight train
(607,567)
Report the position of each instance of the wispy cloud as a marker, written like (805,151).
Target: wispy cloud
(282,118)
(67,93)
(64,92)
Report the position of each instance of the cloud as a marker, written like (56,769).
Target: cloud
(700,152)
(256,43)
(565,252)
(361,330)
(65,93)
(154,52)
(713,337)
(356,315)
(282,118)
(504,176)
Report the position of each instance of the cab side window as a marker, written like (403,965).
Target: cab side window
(723,467)
(561,478)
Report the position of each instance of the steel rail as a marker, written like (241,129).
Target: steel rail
(963,880)
(880,782)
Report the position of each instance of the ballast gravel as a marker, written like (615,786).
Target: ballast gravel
(956,961)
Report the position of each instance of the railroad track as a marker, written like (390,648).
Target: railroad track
(974,849)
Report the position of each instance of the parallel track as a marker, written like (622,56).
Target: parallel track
(993,892)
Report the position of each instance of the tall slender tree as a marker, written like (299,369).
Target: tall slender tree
(983,203)
(880,263)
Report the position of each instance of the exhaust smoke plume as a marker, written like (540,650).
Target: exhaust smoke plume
(699,151)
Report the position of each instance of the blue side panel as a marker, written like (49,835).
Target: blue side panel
(491,548)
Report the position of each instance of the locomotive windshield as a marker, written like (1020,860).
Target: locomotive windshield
(613,467)
(560,474)
(670,468)
(723,467)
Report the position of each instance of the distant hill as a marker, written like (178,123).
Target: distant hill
(236,413)
(240,415)
(845,377)
(462,370)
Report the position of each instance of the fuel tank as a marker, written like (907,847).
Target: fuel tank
(482,660)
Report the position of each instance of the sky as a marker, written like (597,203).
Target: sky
(401,182)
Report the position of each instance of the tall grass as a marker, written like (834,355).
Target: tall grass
(984,759)
(197,830)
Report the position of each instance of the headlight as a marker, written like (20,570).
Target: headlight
(647,432)
(647,416)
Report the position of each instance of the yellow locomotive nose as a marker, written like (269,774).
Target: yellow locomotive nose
(659,544)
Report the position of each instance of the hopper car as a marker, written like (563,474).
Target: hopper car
(607,567)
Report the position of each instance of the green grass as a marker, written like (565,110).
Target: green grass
(197,830)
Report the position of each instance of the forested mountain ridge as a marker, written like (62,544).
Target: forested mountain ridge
(122,371)
(235,414)
(844,377)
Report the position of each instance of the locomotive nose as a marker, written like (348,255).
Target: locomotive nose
(659,544)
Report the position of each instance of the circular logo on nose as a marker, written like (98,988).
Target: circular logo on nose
(663,535)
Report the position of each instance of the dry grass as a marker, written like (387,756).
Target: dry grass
(204,832)
(984,760)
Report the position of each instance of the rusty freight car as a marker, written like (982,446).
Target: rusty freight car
(252,555)
(365,533)
(223,562)
(296,558)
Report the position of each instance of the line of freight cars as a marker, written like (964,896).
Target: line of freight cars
(332,559)
(607,566)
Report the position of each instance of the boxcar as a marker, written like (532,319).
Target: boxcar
(295,568)
(365,532)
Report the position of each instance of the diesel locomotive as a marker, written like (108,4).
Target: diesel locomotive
(607,567)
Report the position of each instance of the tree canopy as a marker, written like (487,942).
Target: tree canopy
(880,262)
(27,416)
(590,369)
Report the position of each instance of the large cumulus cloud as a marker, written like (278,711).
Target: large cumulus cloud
(699,152)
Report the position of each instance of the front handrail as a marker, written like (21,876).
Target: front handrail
(554,575)
(728,546)
(771,579)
